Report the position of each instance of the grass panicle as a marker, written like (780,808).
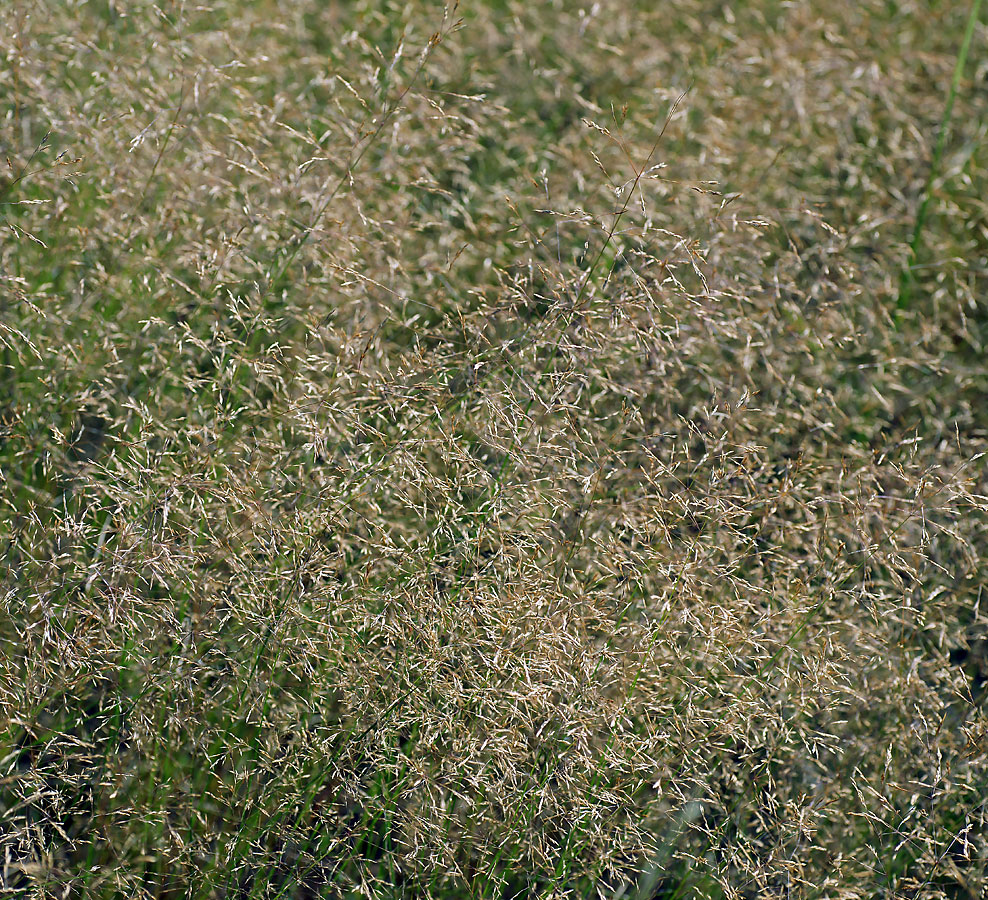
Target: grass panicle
(489,450)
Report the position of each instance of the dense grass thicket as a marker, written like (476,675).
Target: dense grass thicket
(505,450)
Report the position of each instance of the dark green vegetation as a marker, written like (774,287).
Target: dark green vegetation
(511,451)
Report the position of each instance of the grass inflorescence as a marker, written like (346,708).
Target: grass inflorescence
(493,450)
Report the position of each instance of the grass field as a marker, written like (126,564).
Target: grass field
(503,450)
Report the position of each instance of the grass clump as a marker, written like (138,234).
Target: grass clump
(480,451)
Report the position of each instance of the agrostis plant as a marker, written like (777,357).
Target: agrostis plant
(480,451)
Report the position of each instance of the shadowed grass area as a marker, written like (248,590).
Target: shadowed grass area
(493,450)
